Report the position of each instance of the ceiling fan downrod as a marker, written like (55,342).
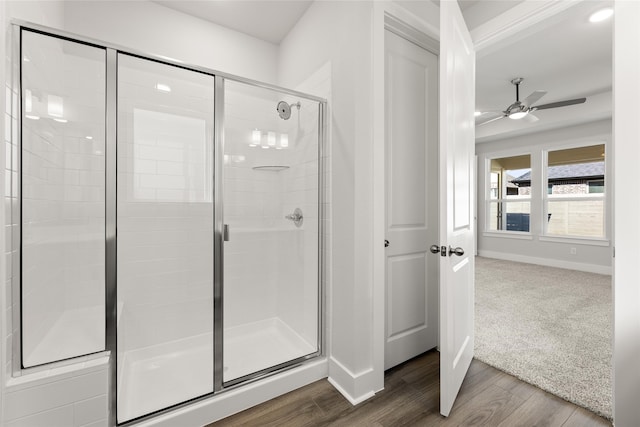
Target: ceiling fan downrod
(517,82)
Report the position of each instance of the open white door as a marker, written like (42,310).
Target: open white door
(457,151)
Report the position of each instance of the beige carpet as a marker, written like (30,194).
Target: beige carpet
(547,326)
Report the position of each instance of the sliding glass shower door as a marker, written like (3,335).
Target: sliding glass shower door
(165,236)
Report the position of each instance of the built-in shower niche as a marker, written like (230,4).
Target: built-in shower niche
(270,264)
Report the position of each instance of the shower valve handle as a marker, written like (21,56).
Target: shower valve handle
(296,217)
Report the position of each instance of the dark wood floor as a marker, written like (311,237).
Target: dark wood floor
(411,398)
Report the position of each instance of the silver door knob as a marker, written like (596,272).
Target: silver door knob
(435,249)
(386,243)
(457,251)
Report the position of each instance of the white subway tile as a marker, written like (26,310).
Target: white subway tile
(57,417)
(48,396)
(99,423)
(90,411)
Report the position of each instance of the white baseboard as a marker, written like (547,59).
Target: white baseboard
(356,388)
(578,266)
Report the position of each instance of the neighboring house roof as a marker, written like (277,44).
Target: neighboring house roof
(564,172)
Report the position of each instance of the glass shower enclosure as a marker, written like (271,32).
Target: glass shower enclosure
(186,224)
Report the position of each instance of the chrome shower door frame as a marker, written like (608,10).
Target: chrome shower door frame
(112,51)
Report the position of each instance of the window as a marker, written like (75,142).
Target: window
(509,194)
(575,203)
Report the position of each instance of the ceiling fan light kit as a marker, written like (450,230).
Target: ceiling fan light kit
(521,109)
(518,115)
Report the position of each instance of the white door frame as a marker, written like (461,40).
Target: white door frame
(383,13)
(626,232)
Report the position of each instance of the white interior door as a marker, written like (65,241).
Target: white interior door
(411,141)
(457,134)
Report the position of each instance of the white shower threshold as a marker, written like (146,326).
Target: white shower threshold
(156,377)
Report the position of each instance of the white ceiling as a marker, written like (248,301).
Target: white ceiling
(269,20)
(567,56)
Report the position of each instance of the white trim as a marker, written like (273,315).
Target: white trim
(346,395)
(587,241)
(407,32)
(520,235)
(574,143)
(548,262)
(515,21)
(408,19)
(510,152)
(378,295)
(356,388)
(626,199)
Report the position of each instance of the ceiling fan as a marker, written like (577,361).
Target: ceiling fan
(523,109)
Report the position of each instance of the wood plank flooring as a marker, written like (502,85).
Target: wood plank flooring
(488,397)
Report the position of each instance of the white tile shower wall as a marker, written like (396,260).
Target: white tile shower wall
(282,280)
(62,200)
(298,296)
(252,206)
(72,398)
(165,206)
(319,84)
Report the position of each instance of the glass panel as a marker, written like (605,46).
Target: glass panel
(165,236)
(573,174)
(510,216)
(510,177)
(580,218)
(63,199)
(271,262)
(509,193)
(576,171)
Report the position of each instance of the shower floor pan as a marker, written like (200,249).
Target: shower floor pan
(156,377)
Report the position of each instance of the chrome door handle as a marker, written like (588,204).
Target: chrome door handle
(386,243)
(457,251)
(435,249)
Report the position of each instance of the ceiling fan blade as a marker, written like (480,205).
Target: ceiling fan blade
(558,104)
(484,122)
(530,118)
(534,97)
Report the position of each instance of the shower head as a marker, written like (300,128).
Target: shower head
(284,109)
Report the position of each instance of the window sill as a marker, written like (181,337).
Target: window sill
(509,235)
(587,241)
